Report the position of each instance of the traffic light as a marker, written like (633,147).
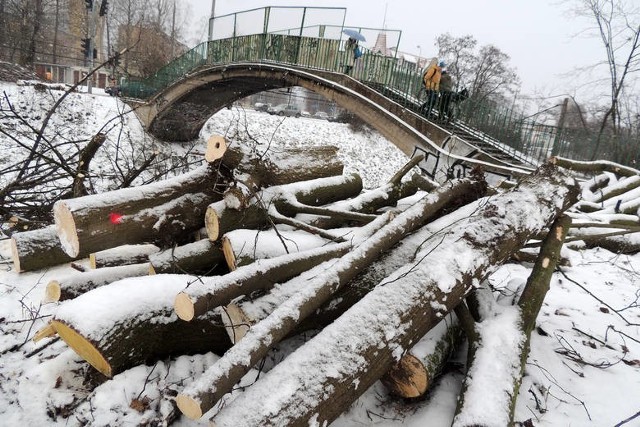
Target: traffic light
(89,4)
(86,47)
(103,7)
(114,61)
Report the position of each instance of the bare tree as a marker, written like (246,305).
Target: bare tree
(617,24)
(459,53)
(485,72)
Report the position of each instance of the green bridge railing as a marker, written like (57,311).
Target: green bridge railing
(400,80)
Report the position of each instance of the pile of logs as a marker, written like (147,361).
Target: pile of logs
(292,245)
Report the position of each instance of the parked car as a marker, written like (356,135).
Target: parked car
(285,110)
(321,115)
(261,106)
(112,90)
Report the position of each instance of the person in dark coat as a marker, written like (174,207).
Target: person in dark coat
(446,91)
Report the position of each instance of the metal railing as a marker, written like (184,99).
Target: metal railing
(503,128)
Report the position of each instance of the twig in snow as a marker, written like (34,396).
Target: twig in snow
(550,377)
(598,299)
(631,418)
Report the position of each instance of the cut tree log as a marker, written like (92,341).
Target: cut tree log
(625,244)
(210,294)
(201,257)
(220,219)
(262,274)
(139,325)
(79,283)
(206,391)
(242,247)
(594,166)
(621,187)
(416,371)
(153,212)
(122,255)
(397,314)
(37,249)
(216,148)
(509,328)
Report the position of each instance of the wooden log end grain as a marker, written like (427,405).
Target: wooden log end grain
(66,229)
(52,292)
(15,255)
(236,322)
(183,306)
(216,147)
(47,331)
(189,406)
(83,347)
(229,254)
(212,223)
(408,378)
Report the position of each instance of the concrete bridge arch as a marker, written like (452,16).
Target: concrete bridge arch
(180,111)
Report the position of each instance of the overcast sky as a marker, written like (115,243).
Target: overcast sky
(539,35)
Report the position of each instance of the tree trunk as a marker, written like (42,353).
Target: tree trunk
(122,255)
(263,274)
(37,249)
(202,257)
(402,312)
(517,325)
(595,166)
(294,165)
(138,326)
(243,247)
(78,283)
(624,185)
(134,215)
(205,392)
(627,244)
(220,219)
(415,372)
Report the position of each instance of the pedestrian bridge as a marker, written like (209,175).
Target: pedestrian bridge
(383,91)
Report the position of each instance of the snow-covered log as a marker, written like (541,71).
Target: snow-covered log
(122,255)
(220,219)
(294,164)
(36,249)
(501,340)
(200,257)
(594,166)
(623,244)
(242,313)
(78,283)
(138,328)
(621,187)
(150,212)
(242,247)
(397,314)
(220,378)
(263,274)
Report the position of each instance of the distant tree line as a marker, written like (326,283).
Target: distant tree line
(51,31)
(605,124)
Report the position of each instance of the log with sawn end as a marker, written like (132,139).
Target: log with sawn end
(397,314)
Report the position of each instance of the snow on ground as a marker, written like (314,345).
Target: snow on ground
(583,370)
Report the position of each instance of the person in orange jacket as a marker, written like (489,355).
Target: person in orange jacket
(431,80)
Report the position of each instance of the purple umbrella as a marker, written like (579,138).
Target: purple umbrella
(354,35)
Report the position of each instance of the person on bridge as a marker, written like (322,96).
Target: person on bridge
(446,91)
(353,53)
(431,80)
